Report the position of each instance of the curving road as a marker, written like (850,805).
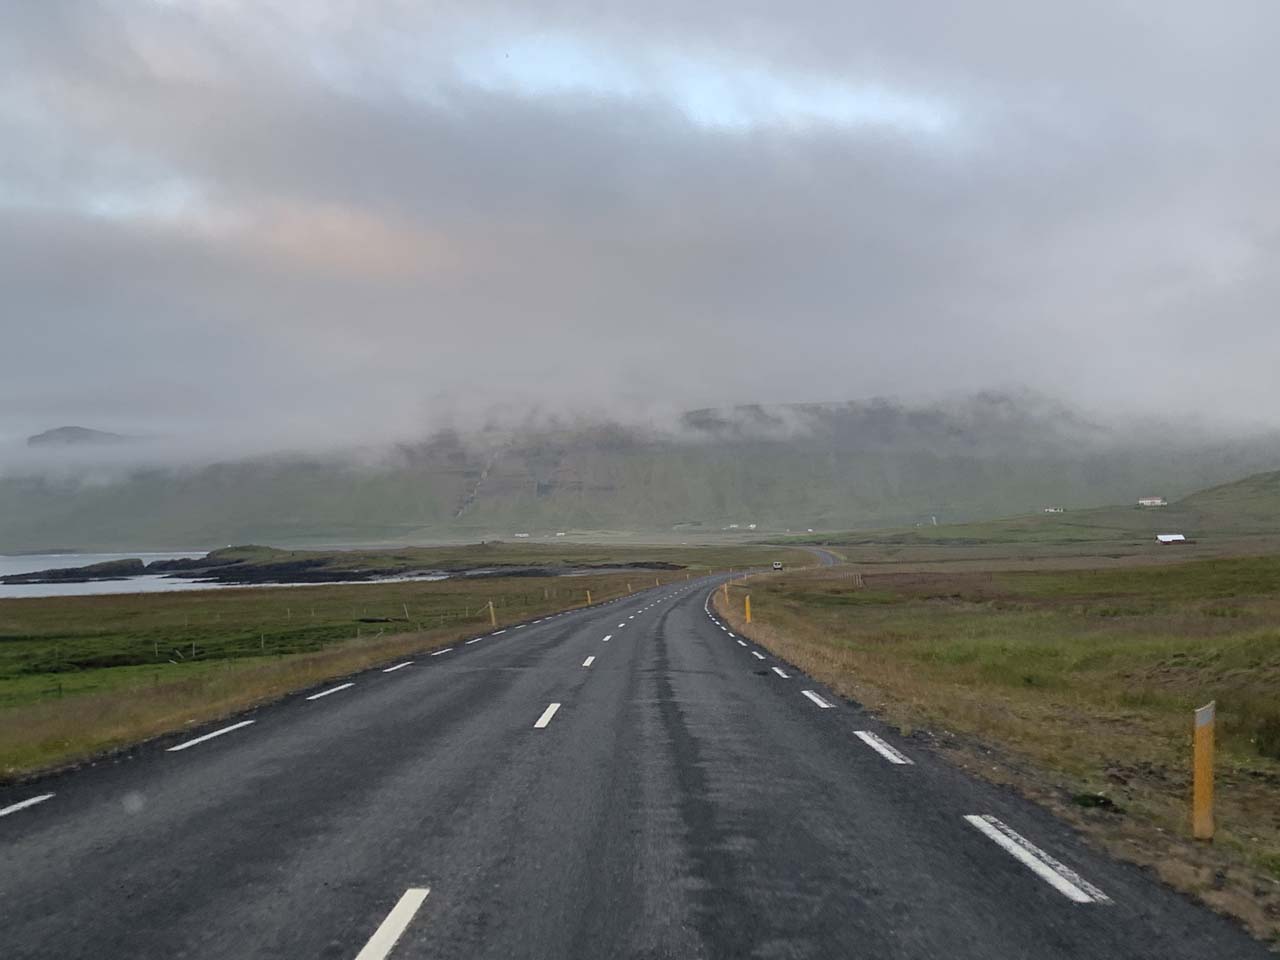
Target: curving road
(690,796)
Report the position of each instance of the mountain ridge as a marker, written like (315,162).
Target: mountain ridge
(854,465)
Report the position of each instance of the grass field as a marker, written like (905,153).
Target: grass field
(1078,685)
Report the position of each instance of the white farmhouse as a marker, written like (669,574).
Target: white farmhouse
(1152,502)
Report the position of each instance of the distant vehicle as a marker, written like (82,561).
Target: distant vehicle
(777,564)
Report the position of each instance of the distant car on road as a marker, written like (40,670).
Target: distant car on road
(777,564)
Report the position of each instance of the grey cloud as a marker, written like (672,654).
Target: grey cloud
(262,222)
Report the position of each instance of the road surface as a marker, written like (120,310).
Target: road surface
(628,780)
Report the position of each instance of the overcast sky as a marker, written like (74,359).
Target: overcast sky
(300,219)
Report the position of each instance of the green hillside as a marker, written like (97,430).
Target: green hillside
(1243,508)
(825,467)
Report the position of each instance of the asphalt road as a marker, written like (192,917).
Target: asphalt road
(691,796)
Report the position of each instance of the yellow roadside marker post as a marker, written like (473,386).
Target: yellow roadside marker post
(726,591)
(628,588)
(588,598)
(493,617)
(1202,789)
(747,600)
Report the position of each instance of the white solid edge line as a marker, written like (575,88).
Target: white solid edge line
(608,637)
(1059,876)
(547,714)
(436,653)
(587,662)
(757,654)
(890,753)
(817,699)
(23,804)
(395,924)
(325,693)
(781,674)
(398,666)
(210,736)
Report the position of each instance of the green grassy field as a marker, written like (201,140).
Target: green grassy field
(1086,679)
(70,644)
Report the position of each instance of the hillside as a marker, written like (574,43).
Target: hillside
(825,467)
(1244,508)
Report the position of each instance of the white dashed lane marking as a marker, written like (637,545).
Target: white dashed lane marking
(398,666)
(757,654)
(438,652)
(892,754)
(1058,875)
(397,921)
(30,802)
(780,673)
(817,699)
(547,714)
(217,733)
(587,662)
(325,693)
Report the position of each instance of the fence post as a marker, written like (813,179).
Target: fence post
(493,617)
(1202,789)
